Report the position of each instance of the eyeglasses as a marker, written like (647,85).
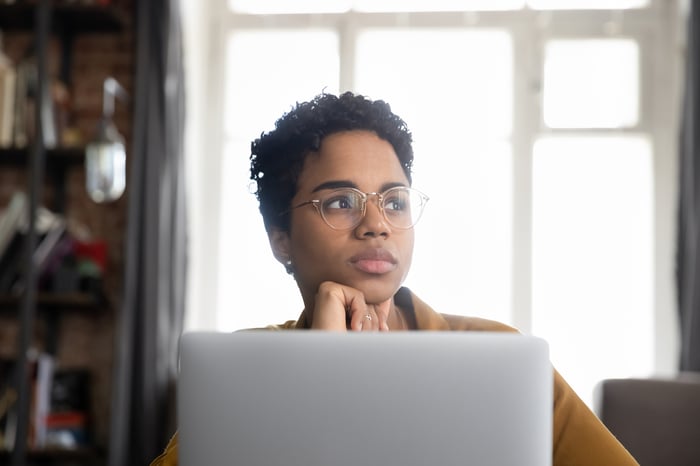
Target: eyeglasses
(344,208)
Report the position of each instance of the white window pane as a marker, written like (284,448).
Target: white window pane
(287,6)
(586,4)
(442,82)
(591,83)
(454,89)
(592,256)
(254,289)
(435,5)
(267,71)
(470,189)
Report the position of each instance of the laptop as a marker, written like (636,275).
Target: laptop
(306,398)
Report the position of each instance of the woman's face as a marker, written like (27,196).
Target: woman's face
(373,257)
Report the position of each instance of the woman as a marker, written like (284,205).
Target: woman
(334,186)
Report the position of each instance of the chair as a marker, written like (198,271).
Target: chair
(658,420)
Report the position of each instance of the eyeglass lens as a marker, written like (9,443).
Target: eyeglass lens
(344,208)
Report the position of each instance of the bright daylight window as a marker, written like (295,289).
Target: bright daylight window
(605,75)
(464,162)
(593,255)
(522,137)
(297,63)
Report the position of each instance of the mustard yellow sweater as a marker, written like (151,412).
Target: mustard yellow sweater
(580,439)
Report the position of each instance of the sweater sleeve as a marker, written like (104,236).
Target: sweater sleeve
(580,438)
(169,455)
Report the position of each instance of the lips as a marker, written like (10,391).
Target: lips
(374,261)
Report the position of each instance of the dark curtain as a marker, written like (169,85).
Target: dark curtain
(154,283)
(688,259)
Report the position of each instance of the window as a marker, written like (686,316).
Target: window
(591,83)
(593,255)
(297,63)
(554,127)
(461,118)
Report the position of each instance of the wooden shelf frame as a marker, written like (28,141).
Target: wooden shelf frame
(42,18)
(53,456)
(71,17)
(56,302)
(60,156)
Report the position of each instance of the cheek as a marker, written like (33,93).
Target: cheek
(407,251)
(312,244)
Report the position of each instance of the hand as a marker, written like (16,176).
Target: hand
(341,308)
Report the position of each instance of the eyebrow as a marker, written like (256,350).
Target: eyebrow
(335,184)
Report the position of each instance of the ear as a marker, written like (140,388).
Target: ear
(280,244)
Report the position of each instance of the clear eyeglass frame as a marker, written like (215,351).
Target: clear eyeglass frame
(344,208)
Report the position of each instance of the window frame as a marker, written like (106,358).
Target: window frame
(659,29)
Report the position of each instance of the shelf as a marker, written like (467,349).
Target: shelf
(58,456)
(55,302)
(59,23)
(66,17)
(62,156)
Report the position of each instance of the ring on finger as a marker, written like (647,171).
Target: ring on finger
(368,317)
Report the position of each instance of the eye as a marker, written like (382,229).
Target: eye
(342,201)
(396,202)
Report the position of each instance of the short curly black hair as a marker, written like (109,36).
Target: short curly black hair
(277,157)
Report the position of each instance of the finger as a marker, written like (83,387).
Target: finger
(357,310)
(330,308)
(363,317)
(369,322)
(383,310)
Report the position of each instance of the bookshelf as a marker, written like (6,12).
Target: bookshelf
(73,17)
(65,21)
(61,157)
(57,457)
(56,302)
(57,162)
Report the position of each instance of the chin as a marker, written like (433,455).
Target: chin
(376,293)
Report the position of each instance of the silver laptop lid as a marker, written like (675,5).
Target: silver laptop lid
(303,398)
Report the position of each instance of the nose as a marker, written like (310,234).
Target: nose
(373,223)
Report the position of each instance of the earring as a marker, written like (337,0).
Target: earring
(288,267)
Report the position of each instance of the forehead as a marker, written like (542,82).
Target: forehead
(360,157)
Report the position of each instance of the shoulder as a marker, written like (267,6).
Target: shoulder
(290,324)
(428,319)
(476,324)
(169,456)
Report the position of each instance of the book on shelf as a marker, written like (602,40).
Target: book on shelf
(68,420)
(8,404)
(12,219)
(8,79)
(11,263)
(49,242)
(40,405)
(12,223)
(20,138)
(59,405)
(51,245)
(50,107)
(13,226)
(62,263)
(41,374)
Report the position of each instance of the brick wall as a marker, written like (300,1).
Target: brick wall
(86,339)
